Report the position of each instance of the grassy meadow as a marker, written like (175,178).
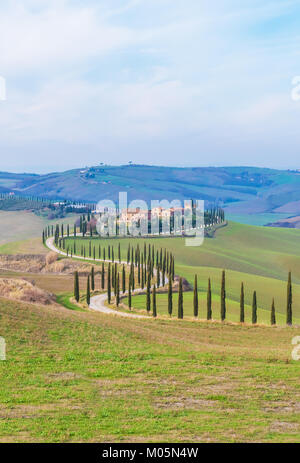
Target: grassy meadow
(75,376)
(24,225)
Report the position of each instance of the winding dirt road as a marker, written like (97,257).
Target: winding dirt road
(97,303)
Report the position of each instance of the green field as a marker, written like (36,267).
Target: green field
(85,377)
(22,225)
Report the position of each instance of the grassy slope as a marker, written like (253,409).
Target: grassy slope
(18,227)
(77,376)
(243,189)
(261,257)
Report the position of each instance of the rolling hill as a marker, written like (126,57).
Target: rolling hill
(242,190)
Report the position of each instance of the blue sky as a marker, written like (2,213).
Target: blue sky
(166,82)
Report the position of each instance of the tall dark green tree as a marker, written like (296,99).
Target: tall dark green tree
(242,304)
(119,253)
(158,277)
(254,309)
(93,279)
(170,298)
(88,291)
(289,308)
(128,254)
(196,303)
(129,296)
(118,290)
(123,279)
(102,276)
(148,295)
(223,297)
(132,277)
(109,284)
(273,314)
(154,302)
(180,300)
(142,276)
(209,309)
(76,286)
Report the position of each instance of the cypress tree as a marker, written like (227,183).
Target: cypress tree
(128,254)
(209,309)
(158,277)
(254,309)
(123,280)
(119,252)
(223,297)
(170,298)
(154,302)
(242,304)
(143,275)
(118,290)
(88,291)
(139,272)
(76,286)
(129,296)
(102,276)
(132,277)
(93,279)
(108,284)
(148,298)
(113,277)
(196,304)
(273,314)
(180,300)
(173,268)
(289,309)
(104,254)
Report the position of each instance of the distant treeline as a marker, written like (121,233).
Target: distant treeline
(13,202)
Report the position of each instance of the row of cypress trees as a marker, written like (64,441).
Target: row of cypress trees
(145,274)
(86,224)
(289,311)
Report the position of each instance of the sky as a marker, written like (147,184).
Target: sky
(165,82)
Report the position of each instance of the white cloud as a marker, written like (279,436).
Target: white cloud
(138,72)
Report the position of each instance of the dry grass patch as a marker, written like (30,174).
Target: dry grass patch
(25,291)
(31,263)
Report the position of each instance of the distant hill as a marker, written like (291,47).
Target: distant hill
(291,222)
(247,190)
